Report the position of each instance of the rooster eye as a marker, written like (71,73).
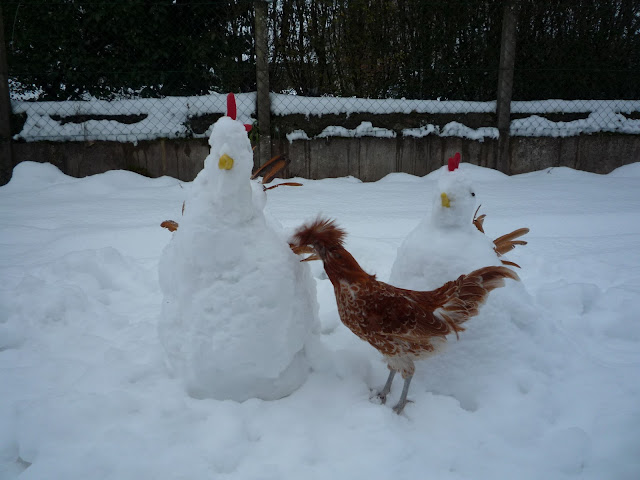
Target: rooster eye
(473,194)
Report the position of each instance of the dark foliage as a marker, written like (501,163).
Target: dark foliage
(450,49)
(578,49)
(146,48)
(426,49)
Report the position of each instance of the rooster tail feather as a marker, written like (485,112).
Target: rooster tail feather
(322,231)
(493,277)
(463,297)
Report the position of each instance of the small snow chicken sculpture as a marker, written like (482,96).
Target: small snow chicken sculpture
(451,241)
(404,325)
(239,309)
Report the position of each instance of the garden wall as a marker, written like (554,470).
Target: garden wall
(366,158)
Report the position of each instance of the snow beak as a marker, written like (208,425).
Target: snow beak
(225,162)
(445,200)
(303,249)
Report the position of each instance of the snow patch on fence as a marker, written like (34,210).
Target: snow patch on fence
(170,117)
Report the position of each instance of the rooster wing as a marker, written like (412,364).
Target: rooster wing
(385,316)
(397,321)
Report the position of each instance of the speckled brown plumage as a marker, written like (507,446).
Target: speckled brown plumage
(404,325)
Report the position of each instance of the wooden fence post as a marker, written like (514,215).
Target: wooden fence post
(263,104)
(505,83)
(6,157)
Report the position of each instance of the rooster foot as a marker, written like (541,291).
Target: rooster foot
(378,397)
(381,396)
(399,407)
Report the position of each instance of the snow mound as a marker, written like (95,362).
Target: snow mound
(552,389)
(32,176)
(238,307)
(627,171)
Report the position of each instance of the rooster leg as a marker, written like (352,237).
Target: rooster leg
(403,397)
(382,394)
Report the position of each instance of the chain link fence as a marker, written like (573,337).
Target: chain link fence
(138,70)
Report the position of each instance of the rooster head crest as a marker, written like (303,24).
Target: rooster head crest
(454,162)
(321,232)
(232,110)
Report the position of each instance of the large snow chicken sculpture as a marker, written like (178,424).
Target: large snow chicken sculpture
(239,308)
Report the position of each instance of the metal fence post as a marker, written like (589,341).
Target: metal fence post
(505,83)
(6,157)
(263,106)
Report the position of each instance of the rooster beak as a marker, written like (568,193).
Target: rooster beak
(302,249)
(445,200)
(225,162)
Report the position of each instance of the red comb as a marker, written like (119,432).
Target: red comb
(454,162)
(232,110)
(231,106)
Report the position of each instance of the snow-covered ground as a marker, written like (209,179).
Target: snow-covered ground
(168,117)
(86,393)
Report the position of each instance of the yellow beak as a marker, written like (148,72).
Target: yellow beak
(445,200)
(225,162)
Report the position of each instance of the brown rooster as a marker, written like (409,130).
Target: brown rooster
(404,325)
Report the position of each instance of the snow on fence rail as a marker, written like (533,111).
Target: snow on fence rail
(173,117)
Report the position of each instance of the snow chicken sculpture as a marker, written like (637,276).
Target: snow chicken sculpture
(451,241)
(239,308)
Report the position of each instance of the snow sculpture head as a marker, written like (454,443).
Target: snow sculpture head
(223,186)
(230,152)
(455,202)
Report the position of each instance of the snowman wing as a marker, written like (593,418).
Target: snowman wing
(508,242)
(270,169)
(478,221)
